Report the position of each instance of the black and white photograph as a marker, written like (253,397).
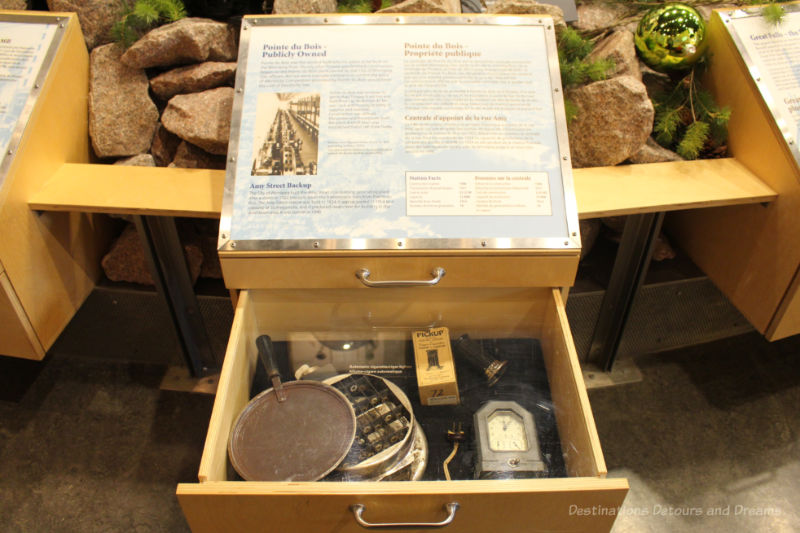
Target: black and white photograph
(286,136)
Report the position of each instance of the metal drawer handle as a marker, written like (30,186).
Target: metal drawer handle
(451,508)
(437,273)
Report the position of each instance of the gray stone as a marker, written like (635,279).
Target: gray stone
(299,7)
(203,119)
(614,120)
(211,267)
(15,5)
(189,40)
(424,6)
(126,261)
(655,82)
(192,79)
(652,152)
(208,231)
(590,230)
(141,160)
(122,117)
(164,146)
(528,7)
(601,16)
(190,156)
(615,224)
(619,47)
(96,17)
(662,249)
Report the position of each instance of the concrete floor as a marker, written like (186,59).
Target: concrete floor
(91,444)
(709,440)
(94,445)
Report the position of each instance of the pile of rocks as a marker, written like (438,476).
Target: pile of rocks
(186,121)
(165,101)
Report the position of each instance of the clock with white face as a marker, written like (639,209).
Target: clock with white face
(506,442)
(506,431)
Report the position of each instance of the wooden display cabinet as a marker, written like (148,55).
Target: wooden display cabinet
(50,261)
(498,276)
(751,252)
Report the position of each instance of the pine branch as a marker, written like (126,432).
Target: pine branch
(687,119)
(359,6)
(666,124)
(572,73)
(694,139)
(145,12)
(142,16)
(173,10)
(573,45)
(570,109)
(598,70)
(573,49)
(773,13)
(123,33)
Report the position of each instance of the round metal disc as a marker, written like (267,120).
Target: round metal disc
(301,439)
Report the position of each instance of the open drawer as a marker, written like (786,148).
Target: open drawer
(578,499)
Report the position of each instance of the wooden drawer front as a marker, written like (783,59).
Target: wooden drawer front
(557,504)
(339,272)
(498,506)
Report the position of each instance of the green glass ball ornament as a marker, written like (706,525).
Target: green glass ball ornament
(671,37)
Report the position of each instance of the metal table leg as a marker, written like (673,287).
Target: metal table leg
(171,275)
(630,268)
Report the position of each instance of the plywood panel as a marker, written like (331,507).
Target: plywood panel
(579,439)
(17,337)
(185,192)
(751,252)
(199,192)
(630,189)
(476,269)
(52,259)
(787,318)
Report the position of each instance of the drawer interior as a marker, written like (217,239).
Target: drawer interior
(532,318)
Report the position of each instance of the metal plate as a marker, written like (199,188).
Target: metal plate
(565,206)
(301,439)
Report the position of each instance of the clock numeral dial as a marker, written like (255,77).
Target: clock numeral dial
(506,431)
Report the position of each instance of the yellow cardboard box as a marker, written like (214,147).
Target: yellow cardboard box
(436,371)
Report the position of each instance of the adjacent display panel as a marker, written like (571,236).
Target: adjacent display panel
(384,132)
(772,55)
(26,49)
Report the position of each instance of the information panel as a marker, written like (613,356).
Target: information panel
(23,49)
(772,54)
(356,135)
